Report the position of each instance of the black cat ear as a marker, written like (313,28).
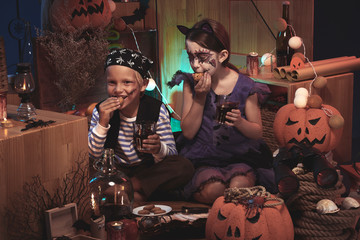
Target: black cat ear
(184,30)
(207,28)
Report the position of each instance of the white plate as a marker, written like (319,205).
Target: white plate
(163,207)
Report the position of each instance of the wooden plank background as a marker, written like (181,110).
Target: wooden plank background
(246,28)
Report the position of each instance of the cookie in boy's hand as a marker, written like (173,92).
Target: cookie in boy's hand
(197,76)
(120,100)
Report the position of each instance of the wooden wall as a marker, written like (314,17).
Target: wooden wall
(247,30)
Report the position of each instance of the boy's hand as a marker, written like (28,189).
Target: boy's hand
(106,110)
(152,143)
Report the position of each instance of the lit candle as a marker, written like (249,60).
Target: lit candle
(6,123)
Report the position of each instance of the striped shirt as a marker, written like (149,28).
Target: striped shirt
(125,151)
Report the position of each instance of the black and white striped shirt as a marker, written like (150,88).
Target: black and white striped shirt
(125,151)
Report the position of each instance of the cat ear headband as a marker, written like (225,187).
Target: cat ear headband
(205,27)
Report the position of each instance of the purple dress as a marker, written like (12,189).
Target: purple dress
(220,152)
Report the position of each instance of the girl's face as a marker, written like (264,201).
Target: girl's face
(122,82)
(202,59)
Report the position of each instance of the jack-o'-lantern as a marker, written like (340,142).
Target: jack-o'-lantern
(68,15)
(235,216)
(296,63)
(308,126)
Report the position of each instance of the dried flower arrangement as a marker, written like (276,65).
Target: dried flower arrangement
(78,58)
(26,218)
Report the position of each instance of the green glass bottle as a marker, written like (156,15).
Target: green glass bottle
(284,52)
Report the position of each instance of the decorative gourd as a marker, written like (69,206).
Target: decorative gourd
(245,213)
(68,15)
(306,125)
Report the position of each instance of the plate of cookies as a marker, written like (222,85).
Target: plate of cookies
(152,210)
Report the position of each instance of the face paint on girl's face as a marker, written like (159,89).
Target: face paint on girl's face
(201,59)
(202,56)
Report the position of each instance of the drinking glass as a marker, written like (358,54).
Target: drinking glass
(142,131)
(224,105)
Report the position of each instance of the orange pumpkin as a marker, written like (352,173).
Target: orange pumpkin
(232,221)
(68,15)
(306,125)
(296,63)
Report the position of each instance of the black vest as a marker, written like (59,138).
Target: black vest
(149,110)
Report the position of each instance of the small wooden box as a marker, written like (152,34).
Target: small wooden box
(59,222)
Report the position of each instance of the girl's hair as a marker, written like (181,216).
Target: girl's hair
(217,40)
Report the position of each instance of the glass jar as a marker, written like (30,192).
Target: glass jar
(24,85)
(112,193)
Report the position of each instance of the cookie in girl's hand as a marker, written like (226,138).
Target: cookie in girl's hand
(197,76)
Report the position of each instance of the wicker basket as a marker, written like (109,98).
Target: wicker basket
(3,69)
(268,112)
(268,117)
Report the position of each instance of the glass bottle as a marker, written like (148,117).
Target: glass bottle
(112,193)
(24,85)
(283,51)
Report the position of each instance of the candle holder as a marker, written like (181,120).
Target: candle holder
(24,85)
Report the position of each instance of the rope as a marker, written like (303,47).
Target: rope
(237,195)
(308,224)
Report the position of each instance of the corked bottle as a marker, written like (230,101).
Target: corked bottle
(283,51)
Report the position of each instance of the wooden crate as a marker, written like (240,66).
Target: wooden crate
(48,152)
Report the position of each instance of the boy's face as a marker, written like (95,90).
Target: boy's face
(121,82)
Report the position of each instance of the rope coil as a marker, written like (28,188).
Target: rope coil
(237,195)
(308,224)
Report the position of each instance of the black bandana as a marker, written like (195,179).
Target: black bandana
(129,58)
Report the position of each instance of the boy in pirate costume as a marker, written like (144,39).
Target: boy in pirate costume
(157,169)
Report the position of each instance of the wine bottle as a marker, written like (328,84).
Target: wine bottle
(283,51)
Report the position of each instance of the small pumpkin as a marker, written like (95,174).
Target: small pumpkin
(231,219)
(296,63)
(68,15)
(309,126)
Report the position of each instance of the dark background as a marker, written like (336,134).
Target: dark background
(336,34)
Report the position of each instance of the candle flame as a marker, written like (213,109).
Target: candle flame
(24,86)
(5,119)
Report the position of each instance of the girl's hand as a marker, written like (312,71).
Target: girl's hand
(234,118)
(204,84)
(106,110)
(152,144)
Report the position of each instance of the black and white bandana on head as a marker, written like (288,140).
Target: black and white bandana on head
(129,58)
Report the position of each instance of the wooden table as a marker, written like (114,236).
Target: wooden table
(179,232)
(48,152)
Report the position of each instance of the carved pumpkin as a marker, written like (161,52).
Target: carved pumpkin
(306,125)
(296,63)
(68,15)
(232,221)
